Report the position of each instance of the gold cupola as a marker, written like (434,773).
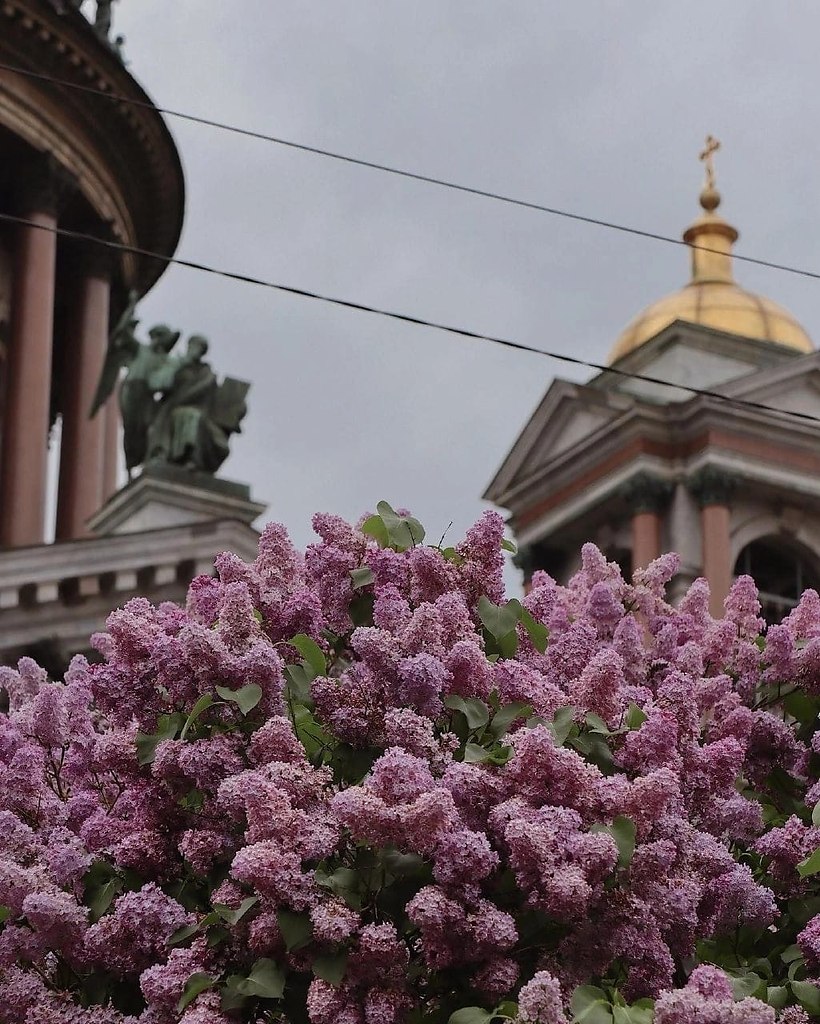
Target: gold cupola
(712,298)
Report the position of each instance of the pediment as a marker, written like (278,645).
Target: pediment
(794,387)
(566,417)
(692,355)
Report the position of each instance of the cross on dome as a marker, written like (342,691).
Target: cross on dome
(712,146)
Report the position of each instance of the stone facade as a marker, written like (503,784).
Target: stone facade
(72,160)
(612,462)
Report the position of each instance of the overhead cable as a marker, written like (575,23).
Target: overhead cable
(402,173)
(407,318)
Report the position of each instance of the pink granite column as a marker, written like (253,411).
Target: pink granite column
(646,496)
(83,445)
(717,560)
(26,416)
(712,488)
(646,539)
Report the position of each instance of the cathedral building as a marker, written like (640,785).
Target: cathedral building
(84,151)
(640,468)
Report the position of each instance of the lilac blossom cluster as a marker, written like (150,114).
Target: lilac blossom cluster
(357,786)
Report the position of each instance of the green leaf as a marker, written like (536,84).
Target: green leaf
(474,710)
(777,996)
(508,1010)
(360,610)
(296,929)
(635,717)
(103,898)
(802,707)
(362,577)
(344,883)
(470,1015)
(791,953)
(233,915)
(745,985)
(217,935)
(595,749)
(803,910)
(476,754)
(193,986)
(452,555)
(561,724)
(506,715)
(147,743)
(298,686)
(590,1005)
(5,914)
(499,619)
(246,697)
(375,527)
(232,998)
(623,832)
(641,1012)
(507,645)
(809,866)
(537,631)
(193,800)
(508,545)
(403,531)
(815,814)
(311,652)
(204,702)
(808,995)
(760,965)
(633,1014)
(596,724)
(330,967)
(403,865)
(266,980)
(188,930)
(500,755)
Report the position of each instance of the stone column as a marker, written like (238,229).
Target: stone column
(712,489)
(83,445)
(26,416)
(646,495)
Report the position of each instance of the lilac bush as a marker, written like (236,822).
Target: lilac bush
(358,786)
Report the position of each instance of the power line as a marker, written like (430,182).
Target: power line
(402,173)
(361,307)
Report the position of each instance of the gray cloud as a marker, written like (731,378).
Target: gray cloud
(599,107)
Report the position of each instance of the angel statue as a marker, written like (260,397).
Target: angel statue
(197,416)
(174,412)
(150,370)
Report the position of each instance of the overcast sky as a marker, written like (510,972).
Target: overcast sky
(596,106)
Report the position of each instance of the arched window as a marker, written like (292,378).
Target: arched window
(782,570)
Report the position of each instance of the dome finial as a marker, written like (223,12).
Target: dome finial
(710,197)
(712,298)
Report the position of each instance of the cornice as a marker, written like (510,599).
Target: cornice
(123,156)
(672,432)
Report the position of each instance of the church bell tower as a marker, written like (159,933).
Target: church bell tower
(641,468)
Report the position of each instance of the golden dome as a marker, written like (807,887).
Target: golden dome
(712,298)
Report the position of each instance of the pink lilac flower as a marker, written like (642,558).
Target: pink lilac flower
(339,820)
(809,942)
(135,934)
(540,1002)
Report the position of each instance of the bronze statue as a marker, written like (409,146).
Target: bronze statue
(196,417)
(174,411)
(150,370)
(102,19)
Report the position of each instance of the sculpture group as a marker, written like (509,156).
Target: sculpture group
(174,410)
